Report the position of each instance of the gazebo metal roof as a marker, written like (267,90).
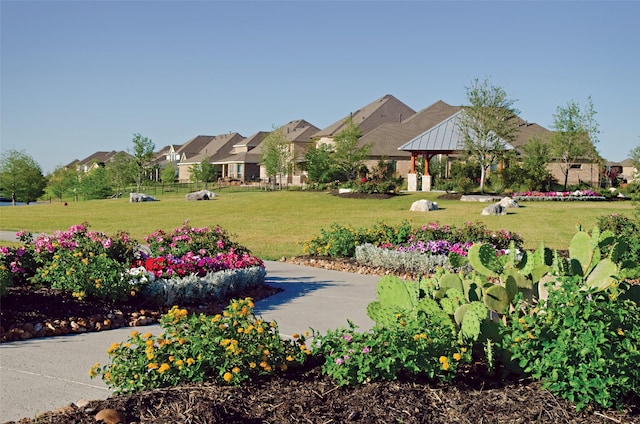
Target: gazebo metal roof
(444,137)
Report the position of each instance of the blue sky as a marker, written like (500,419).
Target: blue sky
(82,76)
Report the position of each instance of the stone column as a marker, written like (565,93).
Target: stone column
(412,182)
(426,183)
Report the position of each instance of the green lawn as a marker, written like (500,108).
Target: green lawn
(272,224)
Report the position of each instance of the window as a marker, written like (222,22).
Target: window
(575,166)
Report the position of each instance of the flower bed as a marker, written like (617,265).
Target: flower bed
(187,265)
(582,195)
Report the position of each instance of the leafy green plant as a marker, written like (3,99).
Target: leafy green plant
(410,348)
(582,344)
(229,348)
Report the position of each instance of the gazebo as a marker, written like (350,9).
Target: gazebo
(442,139)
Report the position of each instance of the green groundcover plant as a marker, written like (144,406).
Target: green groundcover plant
(582,344)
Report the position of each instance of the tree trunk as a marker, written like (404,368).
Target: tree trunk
(566,178)
(483,174)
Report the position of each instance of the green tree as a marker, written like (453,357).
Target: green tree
(142,155)
(571,139)
(277,156)
(60,181)
(536,157)
(318,164)
(635,158)
(95,184)
(120,171)
(203,172)
(169,173)
(21,177)
(487,125)
(349,158)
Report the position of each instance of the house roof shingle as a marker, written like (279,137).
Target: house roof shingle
(371,116)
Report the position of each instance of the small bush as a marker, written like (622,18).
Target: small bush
(411,348)
(583,345)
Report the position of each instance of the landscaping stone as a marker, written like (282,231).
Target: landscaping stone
(423,205)
(200,195)
(508,202)
(141,197)
(495,209)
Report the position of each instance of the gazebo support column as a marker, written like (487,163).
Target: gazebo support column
(426,178)
(412,177)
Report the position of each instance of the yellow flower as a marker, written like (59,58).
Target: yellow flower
(290,358)
(235,370)
(163,368)
(152,366)
(113,347)
(227,376)
(443,359)
(190,361)
(295,335)
(171,358)
(252,364)
(620,332)
(179,362)
(457,356)
(133,334)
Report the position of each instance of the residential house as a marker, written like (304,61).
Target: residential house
(93,161)
(204,147)
(300,135)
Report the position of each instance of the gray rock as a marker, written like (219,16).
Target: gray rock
(200,195)
(424,206)
(141,197)
(495,209)
(508,202)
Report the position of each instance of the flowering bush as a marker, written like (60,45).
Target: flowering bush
(83,262)
(16,265)
(559,195)
(229,348)
(187,239)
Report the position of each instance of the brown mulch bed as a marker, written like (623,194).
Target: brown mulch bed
(303,395)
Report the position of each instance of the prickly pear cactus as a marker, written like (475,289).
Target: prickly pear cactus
(581,251)
(471,316)
(496,298)
(484,260)
(392,291)
(603,275)
(394,296)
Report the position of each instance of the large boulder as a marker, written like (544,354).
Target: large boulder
(200,195)
(424,206)
(141,197)
(508,202)
(494,209)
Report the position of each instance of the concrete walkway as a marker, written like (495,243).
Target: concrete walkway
(39,375)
